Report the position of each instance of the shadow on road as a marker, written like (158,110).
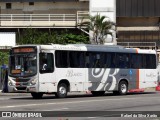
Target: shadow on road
(51,96)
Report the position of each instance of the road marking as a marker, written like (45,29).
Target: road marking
(92,117)
(59,103)
(56,109)
(4,98)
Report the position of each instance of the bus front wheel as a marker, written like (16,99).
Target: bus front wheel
(61,91)
(37,95)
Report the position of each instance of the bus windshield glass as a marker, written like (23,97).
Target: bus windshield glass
(23,64)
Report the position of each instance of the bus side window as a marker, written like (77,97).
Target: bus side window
(81,60)
(92,60)
(102,60)
(107,62)
(113,61)
(136,61)
(46,62)
(150,61)
(61,59)
(133,61)
(76,59)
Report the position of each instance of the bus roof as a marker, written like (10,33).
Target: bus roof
(91,47)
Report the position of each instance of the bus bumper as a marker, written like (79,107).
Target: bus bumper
(27,89)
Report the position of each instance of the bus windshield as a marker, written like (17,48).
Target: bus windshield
(23,64)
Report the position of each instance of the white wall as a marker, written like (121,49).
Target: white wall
(24,6)
(105,8)
(7,38)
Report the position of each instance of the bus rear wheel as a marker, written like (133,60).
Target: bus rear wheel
(123,88)
(97,93)
(37,95)
(61,91)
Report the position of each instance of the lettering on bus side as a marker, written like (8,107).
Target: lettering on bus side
(66,48)
(71,73)
(151,75)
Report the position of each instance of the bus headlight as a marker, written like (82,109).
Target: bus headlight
(33,82)
(10,83)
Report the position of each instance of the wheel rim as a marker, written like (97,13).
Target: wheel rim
(123,88)
(62,90)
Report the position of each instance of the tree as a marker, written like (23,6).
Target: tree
(4,58)
(101,26)
(33,36)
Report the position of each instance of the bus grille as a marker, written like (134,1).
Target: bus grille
(21,80)
(21,88)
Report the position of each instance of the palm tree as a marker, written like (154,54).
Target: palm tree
(100,26)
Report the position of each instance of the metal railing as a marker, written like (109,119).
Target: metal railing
(41,20)
(145,45)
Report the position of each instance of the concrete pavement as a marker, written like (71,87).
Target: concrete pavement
(72,93)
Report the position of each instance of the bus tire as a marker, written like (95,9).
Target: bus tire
(97,93)
(123,88)
(61,90)
(36,95)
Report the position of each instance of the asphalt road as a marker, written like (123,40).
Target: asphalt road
(82,106)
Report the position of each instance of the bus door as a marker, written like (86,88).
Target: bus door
(47,75)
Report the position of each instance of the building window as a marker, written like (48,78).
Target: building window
(8,5)
(31,3)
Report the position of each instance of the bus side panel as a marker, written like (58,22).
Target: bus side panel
(140,78)
(151,78)
(75,76)
(47,82)
(101,79)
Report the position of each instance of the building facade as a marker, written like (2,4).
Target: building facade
(138,23)
(42,13)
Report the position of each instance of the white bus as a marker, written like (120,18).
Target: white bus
(59,69)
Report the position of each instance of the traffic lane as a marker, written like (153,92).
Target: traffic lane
(145,101)
(25,98)
(81,102)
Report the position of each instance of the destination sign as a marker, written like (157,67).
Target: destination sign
(23,50)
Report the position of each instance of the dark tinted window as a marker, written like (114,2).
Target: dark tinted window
(46,62)
(80,59)
(31,3)
(136,61)
(8,5)
(149,61)
(61,59)
(76,59)
(122,60)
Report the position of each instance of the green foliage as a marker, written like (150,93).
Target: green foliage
(101,26)
(33,36)
(4,58)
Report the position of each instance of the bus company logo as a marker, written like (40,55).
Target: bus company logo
(6,114)
(103,75)
(71,73)
(151,75)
